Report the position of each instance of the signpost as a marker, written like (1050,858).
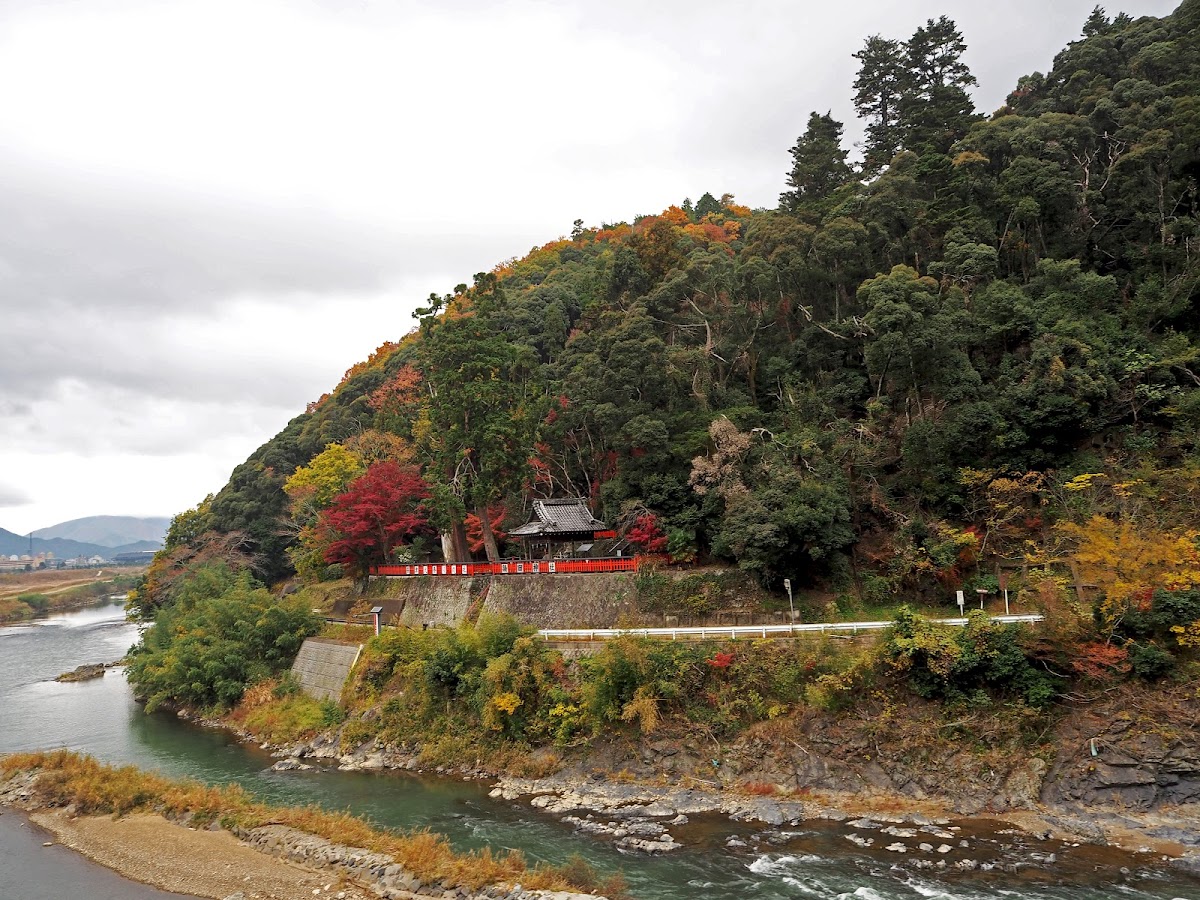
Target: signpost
(787,584)
(962,603)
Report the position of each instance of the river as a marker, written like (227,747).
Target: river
(100,717)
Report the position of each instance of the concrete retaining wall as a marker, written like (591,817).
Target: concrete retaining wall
(322,666)
(417,601)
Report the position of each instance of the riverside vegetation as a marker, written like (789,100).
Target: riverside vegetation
(971,362)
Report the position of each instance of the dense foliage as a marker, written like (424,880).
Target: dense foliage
(967,663)
(889,386)
(223,632)
(507,687)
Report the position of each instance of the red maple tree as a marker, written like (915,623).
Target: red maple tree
(496,514)
(647,534)
(382,509)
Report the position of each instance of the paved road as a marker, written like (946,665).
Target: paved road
(29,871)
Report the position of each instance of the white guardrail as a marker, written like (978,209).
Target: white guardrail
(733,632)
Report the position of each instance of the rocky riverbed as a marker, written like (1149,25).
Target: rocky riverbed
(660,817)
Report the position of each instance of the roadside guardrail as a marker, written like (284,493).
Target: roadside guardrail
(733,632)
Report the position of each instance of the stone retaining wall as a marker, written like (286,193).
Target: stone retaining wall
(564,601)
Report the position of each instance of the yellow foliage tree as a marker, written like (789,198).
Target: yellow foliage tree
(1127,561)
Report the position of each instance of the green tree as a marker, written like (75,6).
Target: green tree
(224,632)
(818,165)
(476,431)
(935,109)
(877,94)
(187,526)
(705,205)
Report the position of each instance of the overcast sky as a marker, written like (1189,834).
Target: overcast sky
(210,210)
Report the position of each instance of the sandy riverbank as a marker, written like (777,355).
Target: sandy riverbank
(34,866)
(214,864)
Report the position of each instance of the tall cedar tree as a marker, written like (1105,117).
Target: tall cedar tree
(478,441)
(877,88)
(913,95)
(935,109)
(818,164)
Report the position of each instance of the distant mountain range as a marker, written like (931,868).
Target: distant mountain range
(109,531)
(91,536)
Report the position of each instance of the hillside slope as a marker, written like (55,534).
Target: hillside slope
(979,350)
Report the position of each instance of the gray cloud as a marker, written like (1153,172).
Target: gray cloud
(146,293)
(89,246)
(11,496)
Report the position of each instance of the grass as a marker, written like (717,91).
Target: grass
(70,779)
(278,719)
(351,634)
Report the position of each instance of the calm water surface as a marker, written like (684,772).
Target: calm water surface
(100,718)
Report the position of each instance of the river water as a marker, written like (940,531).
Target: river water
(815,860)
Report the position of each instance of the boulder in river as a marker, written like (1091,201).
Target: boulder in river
(84,673)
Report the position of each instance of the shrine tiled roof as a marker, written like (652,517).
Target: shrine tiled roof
(559,517)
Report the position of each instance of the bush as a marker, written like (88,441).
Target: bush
(1149,661)
(224,633)
(955,663)
(36,602)
(296,717)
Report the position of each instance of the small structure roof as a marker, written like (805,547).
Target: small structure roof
(559,518)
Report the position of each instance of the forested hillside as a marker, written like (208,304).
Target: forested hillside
(979,344)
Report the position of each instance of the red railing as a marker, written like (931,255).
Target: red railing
(513,567)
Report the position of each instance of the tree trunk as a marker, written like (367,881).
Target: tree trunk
(489,536)
(458,543)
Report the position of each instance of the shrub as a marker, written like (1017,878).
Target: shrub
(942,662)
(224,633)
(36,602)
(1149,661)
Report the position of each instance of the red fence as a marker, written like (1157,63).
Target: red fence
(513,567)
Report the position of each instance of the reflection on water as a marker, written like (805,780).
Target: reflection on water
(99,717)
